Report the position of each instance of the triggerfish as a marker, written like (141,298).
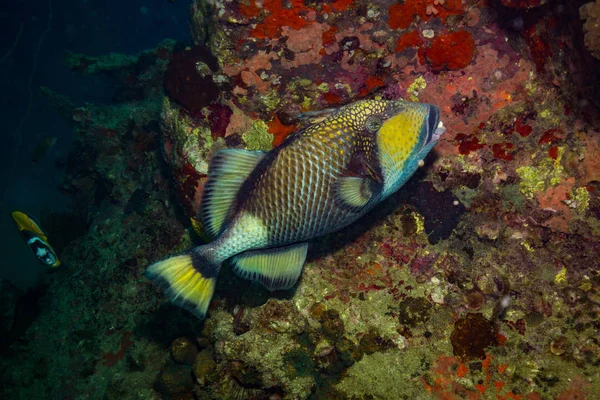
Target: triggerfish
(36,239)
(261,208)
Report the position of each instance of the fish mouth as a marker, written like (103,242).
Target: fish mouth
(438,132)
(435,127)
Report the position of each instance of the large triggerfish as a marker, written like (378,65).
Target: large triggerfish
(261,208)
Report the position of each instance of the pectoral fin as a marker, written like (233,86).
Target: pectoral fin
(276,269)
(353,191)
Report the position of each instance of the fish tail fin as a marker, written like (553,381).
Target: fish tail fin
(187,279)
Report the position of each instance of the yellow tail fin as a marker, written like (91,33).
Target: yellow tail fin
(187,279)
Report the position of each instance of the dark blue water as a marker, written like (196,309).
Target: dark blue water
(34,37)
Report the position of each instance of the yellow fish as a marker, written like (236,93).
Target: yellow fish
(36,239)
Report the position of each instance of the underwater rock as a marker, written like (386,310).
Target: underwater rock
(175,380)
(183,351)
(189,78)
(559,345)
(137,202)
(441,210)
(475,299)
(281,316)
(414,310)
(204,367)
(188,144)
(332,325)
(372,342)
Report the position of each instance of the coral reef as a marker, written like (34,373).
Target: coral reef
(478,280)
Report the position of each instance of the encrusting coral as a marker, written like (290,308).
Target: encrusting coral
(591,13)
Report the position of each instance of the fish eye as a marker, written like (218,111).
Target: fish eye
(373,123)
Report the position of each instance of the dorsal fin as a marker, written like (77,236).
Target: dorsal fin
(227,171)
(314,117)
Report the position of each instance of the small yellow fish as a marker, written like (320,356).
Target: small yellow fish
(35,239)
(261,208)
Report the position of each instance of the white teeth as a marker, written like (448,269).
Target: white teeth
(439,131)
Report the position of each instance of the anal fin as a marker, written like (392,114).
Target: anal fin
(276,269)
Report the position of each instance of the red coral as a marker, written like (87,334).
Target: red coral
(549,136)
(220,115)
(278,17)
(291,14)
(338,5)
(332,98)
(400,16)
(522,129)
(500,151)
(372,82)
(451,51)
(538,45)
(467,143)
(410,39)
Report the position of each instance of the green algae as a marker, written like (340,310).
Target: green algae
(271,100)
(579,199)
(415,88)
(301,362)
(323,87)
(465,195)
(512,198)
(389,375)
(538,178)
(258,137)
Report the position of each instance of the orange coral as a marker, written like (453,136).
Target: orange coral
(279,131)
(451,51)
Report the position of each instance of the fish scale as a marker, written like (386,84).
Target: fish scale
(299,211)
